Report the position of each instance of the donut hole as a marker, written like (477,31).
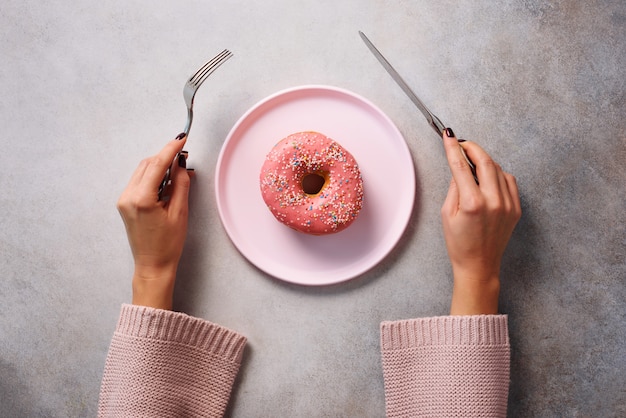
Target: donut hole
(313,183)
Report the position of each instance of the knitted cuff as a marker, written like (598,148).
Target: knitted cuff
(158,324)
(445,330)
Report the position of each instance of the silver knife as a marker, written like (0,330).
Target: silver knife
(433,120)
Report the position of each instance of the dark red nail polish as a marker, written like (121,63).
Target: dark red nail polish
(449,133)
(460,140)
(182,161)
(181,136)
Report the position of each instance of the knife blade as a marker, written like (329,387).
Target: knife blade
(433,120)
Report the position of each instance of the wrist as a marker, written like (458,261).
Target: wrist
(475,297)
(154,288)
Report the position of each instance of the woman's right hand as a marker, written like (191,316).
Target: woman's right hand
(478,221)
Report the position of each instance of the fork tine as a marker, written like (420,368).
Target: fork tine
(214,64)
(208,63)
(209,67)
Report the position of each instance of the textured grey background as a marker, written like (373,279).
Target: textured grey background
(89,88)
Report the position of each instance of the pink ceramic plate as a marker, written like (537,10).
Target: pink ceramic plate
(388,178)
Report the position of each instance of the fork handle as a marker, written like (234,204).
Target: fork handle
(189,119)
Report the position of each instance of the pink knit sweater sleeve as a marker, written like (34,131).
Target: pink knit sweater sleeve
(450,366)
(165,364)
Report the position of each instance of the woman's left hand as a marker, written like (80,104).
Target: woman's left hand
(156,229)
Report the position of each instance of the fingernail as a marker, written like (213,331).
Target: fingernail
(182,161)
(460,140)
(449,133)
(190,170)
(181,136)
(186,153)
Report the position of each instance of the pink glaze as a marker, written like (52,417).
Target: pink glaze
(338,202)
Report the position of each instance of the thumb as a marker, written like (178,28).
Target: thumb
(451,204)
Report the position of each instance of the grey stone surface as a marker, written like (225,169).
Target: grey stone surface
(89,89)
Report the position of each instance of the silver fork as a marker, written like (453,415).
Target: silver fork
(189,92)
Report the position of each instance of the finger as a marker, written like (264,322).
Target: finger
(504,189)
(458,165)
(179,198)
(486,168)
(511,183)
(160,163)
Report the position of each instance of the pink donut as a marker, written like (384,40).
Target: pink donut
(312,184)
